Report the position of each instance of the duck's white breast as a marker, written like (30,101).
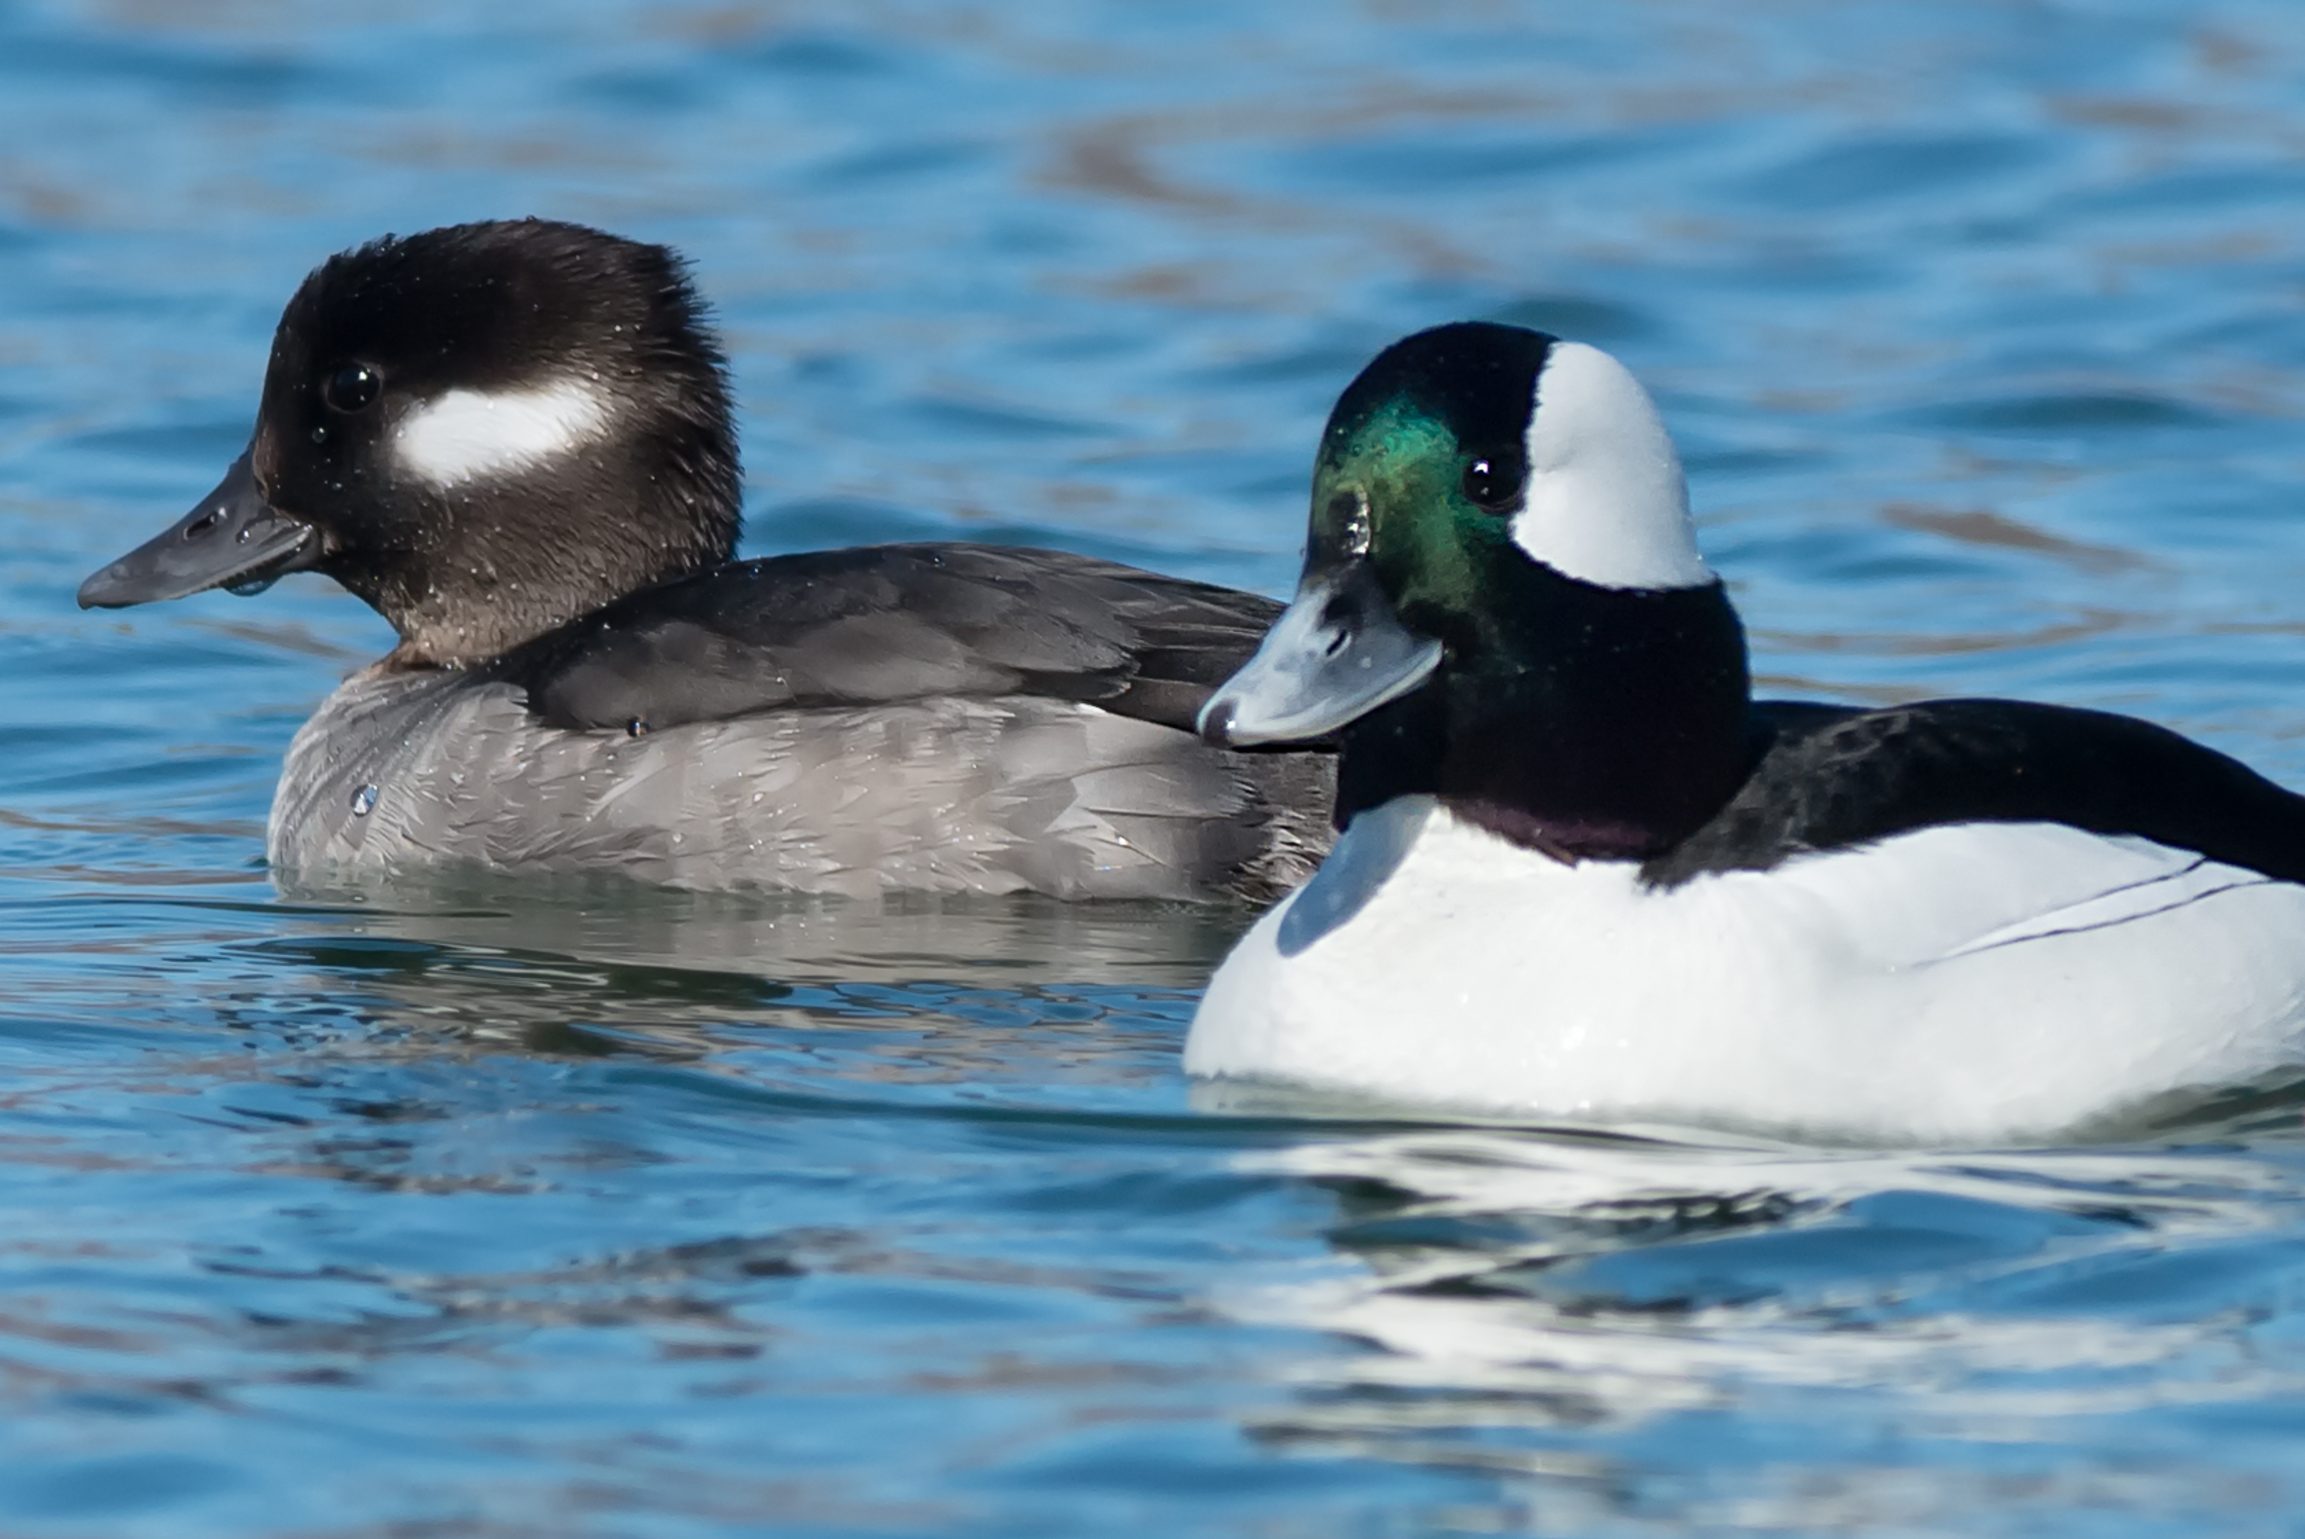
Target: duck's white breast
(1962,983)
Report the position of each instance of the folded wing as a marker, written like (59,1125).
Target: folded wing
(885,624)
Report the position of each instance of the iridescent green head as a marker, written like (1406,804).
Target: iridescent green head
(1463,465)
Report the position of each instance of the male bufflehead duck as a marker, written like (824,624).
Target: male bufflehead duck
(513,439)
(1584,873)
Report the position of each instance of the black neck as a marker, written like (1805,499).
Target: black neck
(1584,722)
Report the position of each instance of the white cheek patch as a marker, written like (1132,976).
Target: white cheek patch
(467,434)
(1606,503)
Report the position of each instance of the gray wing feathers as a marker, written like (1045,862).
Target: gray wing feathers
(895,623)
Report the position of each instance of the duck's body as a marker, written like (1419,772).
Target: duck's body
(514,441)
(956,719)
(401,772)
(1584,875)
(1957,983)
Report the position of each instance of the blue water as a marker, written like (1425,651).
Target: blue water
(497,1214)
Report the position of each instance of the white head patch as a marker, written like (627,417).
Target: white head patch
(466,434)
(1607,503)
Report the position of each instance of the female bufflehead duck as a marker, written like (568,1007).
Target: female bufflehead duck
(513,440)
(1584,873)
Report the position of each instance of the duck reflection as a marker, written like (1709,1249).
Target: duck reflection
(605,966)
(1571,1305)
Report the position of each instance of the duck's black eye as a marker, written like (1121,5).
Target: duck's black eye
(351,388)
(1493,481)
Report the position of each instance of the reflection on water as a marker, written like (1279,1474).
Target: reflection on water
(1540,1306)
(615,968)
(486,1211)
(1000,942)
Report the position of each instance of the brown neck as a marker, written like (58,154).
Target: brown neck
(470,578)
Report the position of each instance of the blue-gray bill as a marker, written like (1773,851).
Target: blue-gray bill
(1336,653)
(233,538)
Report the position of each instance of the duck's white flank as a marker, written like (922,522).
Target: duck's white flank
(462,435)
(1606,501)
(1959,984)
